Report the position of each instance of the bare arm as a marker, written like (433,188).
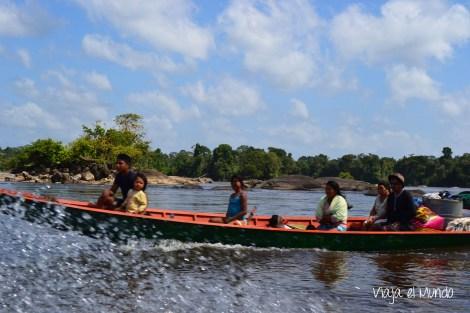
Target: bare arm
(114,187)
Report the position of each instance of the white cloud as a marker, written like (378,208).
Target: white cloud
(99,81)
(219,130)
(276,38)
(29,115)
(299,109)
(26,87)
(412,83)
(292,134)
(166,105)
(23,20)
(165,24)
(25,58)
(407,31)
(63,98)
(105,48)
(408,84)
(228,97)
(353,137)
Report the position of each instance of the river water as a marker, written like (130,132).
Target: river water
(47,270)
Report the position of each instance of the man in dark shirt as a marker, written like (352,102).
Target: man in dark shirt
(124,180)
(400,206)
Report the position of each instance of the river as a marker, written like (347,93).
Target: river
(47,270)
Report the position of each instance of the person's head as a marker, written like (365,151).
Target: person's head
(140,182)
(332,189)
(383,189)
(397,182)
(276,221)
(237,183)
(123,162)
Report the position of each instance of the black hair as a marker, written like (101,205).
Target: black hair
(384,183)
(124,157)
(237,178)
(143,177)
(275,221)
(336,188)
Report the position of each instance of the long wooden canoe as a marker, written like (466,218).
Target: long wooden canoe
(195,227)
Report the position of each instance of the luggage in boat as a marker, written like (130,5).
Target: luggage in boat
(465,197)
(448,208)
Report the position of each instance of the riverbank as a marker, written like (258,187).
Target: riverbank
(154,178)
(288,182)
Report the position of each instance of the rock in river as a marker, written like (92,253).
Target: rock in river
(301,182)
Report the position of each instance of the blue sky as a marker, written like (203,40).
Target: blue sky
(332,77)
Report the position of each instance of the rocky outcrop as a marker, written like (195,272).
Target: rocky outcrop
(88,176)
(300,182)
(158,178)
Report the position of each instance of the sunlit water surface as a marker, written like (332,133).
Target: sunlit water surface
(47,270)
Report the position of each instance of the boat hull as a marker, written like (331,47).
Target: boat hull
(122,226)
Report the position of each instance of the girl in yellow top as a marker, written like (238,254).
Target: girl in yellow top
(136,200)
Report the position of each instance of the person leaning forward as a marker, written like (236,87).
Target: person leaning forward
(124,181)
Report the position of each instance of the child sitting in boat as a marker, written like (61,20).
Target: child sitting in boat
(136,200)
(237,204)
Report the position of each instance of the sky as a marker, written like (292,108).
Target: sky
(332,77)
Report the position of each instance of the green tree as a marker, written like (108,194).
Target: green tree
(201,160)
(255,163)
(223,163)
(41,154)
(312,165)
(158,160)
(131,123)
(103,145)
(181,163)
(345,175)
(288,164)
(447,153)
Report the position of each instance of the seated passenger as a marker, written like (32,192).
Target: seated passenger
(400,209)
(276,221)
(378,211)
(124,180)
(332,210)
(237,204)
(136,200)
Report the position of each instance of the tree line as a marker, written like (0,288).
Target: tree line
(99,144)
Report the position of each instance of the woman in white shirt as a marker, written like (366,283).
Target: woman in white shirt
(377,213)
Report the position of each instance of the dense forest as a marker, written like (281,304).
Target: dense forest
(101,145)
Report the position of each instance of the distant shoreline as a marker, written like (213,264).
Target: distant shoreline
(286,183)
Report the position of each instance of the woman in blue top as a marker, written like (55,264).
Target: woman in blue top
(237,204)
